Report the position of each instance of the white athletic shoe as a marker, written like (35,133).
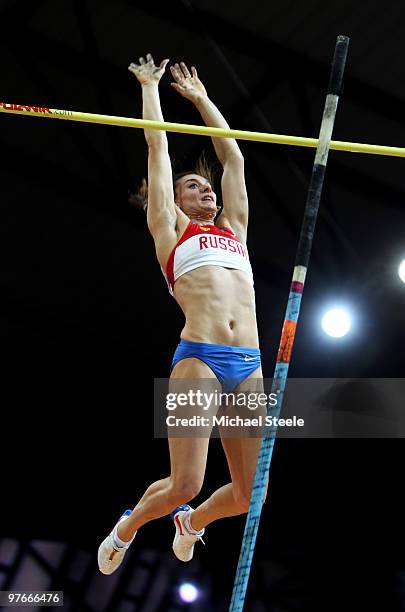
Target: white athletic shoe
(110,555)
(186,536)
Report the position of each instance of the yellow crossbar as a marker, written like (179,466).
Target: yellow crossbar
(297,141)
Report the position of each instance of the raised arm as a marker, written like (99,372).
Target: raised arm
(233,178)
(161,211)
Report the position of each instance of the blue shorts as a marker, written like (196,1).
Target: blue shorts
(230,364)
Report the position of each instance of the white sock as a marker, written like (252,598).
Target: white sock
(188,526)
(117,540)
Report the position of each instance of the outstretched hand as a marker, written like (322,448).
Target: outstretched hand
(188,85)
(146,72)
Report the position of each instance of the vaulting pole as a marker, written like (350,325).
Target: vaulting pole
(290,323)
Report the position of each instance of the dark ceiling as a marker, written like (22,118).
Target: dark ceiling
(86,321)
(80,266)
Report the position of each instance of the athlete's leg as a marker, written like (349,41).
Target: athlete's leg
(241,453)
(188,458)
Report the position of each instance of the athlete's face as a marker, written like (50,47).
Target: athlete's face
(195,197)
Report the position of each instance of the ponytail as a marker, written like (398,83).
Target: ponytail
(140,199)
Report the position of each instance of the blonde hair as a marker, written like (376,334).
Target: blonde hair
(203,167)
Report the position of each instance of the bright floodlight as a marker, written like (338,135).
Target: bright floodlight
(336,323)
(188,592)
(401,270)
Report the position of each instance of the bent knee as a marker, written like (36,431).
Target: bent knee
(185,490)
(242,500)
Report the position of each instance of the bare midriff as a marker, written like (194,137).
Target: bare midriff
(219,306)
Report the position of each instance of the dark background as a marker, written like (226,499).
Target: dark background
(86,321)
